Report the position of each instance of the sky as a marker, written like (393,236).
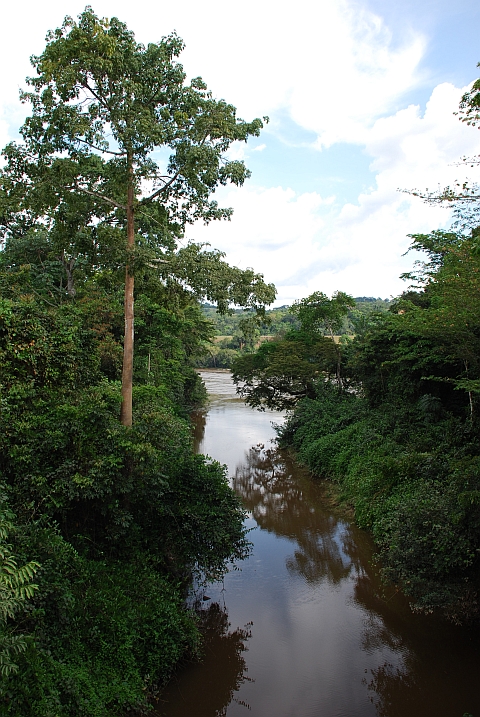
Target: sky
(361,98)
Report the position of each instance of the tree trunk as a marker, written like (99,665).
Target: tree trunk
(127,371)
(69,267)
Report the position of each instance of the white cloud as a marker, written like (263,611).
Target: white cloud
(266,222)
(304,243)
(334,66)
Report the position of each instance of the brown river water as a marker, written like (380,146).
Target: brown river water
(304,627)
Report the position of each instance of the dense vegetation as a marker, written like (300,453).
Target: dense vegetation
(107,523)
(397,427)
(102,523)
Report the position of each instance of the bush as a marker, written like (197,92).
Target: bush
(414,483)
(103,635)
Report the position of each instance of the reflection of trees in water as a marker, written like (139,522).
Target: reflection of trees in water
(206,689)
(285,502)
(199,421)
(434,670)
(418,692)
(436,667)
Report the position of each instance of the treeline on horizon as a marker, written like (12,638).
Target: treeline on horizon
(240,331)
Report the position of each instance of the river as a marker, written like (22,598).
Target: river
(304,627)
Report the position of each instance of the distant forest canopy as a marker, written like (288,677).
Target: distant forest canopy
(281,318)
(240,331)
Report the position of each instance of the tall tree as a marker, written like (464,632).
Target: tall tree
(103,108)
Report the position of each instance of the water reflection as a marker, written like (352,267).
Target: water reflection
(199,421)
(436,675)
(284,501)
(212,683)
(329,640)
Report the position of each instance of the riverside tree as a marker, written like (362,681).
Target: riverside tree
(119,154)
(283,371)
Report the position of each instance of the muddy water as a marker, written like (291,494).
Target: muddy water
(305,628)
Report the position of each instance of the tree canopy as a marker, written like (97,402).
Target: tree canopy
(119,154)
(287,369)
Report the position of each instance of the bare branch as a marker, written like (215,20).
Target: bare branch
(162,189)
(472,161)
(97,195)
(96,95)
(100,149)
(157,261)
(464,196)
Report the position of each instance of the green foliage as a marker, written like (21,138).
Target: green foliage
(115,521)
(101,104)
(319,314)
(93,128)
(276,320)
(413,483)
(283,371)
(240,331)
(16,588)
(402,441)
(116,518)
(110,488)
(288,368)
(105,635)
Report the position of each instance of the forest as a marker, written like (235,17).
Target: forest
(391,416)
(107,515)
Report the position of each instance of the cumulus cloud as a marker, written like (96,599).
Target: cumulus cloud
(305,242)
(333,64)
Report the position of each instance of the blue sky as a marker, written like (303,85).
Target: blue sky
(360,97)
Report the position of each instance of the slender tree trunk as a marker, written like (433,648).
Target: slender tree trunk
(470,398)
(69,266)
(127,372)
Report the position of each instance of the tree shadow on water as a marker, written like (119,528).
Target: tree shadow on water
(425,668)
(284,500)
(430,667)
(206,688)
(199,422)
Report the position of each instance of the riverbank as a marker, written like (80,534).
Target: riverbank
(305,626)
(99,524)
(412,484)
